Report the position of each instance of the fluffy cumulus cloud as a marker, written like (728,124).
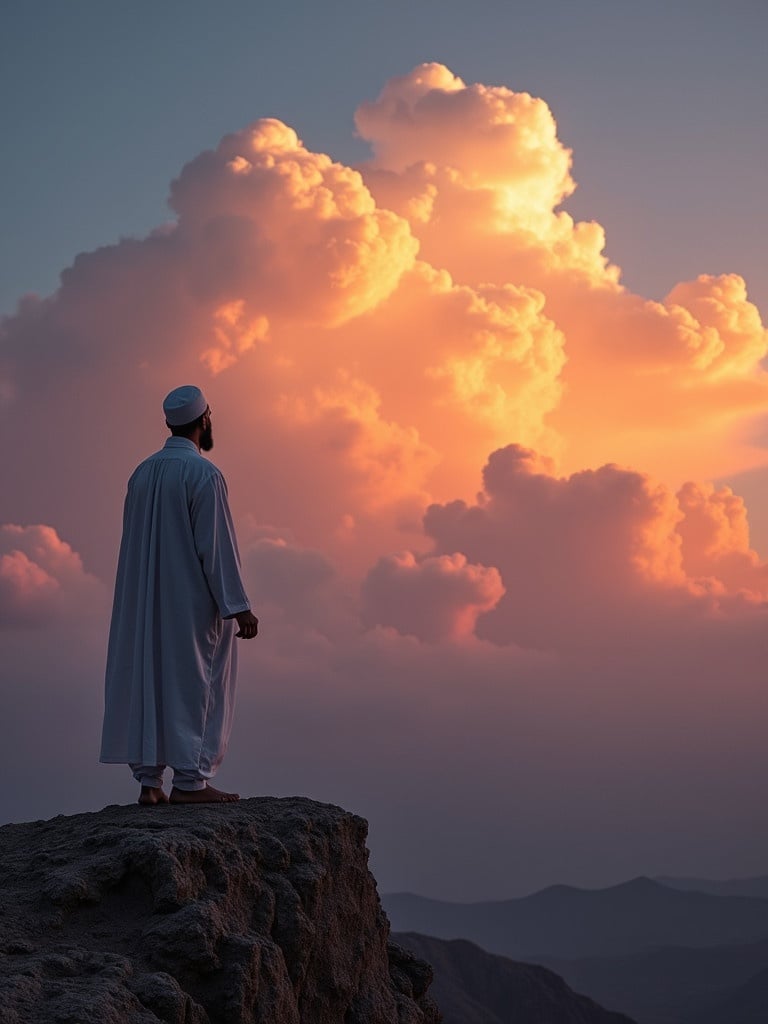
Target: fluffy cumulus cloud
(484,164)
(601,554)
(369,338)
(489,140)
(302,306)
(714,535)
(42,579)
(686,370)
(261,206)
(434,598)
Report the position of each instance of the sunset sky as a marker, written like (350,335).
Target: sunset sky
(476,294)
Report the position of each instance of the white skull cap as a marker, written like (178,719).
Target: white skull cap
(183,405)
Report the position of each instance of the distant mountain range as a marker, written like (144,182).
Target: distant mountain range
(567,923)
(747,1004)
(662,951)
(675,985)
(756,887)
(475,987)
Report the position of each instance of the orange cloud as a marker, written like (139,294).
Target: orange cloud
(479,173)
(489,140)
(287,231)
(366,336)
(715,540)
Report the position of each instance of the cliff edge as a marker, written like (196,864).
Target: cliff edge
(261,911)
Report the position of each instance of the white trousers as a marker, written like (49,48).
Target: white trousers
(188,779)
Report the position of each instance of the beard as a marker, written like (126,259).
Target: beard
(206,439)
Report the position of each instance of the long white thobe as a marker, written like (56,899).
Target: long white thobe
(171,663)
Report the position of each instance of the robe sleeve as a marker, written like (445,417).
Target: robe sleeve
(216,545)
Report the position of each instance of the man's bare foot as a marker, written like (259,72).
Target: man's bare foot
(209,795)
(151,795)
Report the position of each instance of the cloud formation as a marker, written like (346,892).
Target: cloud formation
(261,206)
(488,140)
(42,579)
(434,598)
(369,339)
(601,554)
(483,202)
(359,318)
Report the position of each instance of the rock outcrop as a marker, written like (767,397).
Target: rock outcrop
(262,911)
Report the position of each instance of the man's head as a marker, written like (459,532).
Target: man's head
(187,414)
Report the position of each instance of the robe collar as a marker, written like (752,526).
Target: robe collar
(181,442)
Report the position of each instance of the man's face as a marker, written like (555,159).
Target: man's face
(206,438)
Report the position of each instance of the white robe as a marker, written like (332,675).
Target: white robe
(171,664)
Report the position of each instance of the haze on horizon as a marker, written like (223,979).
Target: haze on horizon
(510,613)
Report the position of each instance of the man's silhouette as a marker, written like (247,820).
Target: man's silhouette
(179,600)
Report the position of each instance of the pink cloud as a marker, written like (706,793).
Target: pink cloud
(435,598)
(594,556)
(42,578)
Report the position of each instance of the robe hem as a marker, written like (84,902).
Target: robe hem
(189,767)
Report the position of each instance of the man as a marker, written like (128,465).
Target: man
(171,664)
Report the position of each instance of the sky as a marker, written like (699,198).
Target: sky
(476,294)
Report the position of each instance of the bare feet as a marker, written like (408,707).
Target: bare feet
(151,795)
(209,795)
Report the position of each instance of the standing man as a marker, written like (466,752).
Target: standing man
(171,664)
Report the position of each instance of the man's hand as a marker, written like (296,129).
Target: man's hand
(249,625)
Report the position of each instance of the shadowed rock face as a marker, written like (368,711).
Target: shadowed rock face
(475,987)
(262,911)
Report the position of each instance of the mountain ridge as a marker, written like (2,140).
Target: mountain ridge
(566,921)
(754,886)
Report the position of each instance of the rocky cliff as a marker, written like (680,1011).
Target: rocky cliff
(262,911)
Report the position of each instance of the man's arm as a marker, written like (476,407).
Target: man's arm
(216,546)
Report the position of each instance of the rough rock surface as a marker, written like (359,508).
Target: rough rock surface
(262,911)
